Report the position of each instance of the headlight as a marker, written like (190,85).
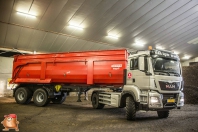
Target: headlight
(182,86)
(181,99)
(154,100)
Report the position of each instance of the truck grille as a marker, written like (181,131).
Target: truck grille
(173,86)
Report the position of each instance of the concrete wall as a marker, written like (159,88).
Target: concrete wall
(5,74)
(186,63)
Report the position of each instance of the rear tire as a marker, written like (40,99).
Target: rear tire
(163,114)
(130,108)
(59,99)
(40,97)
(95,102)
(23,95)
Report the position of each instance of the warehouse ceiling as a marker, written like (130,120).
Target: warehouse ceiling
(80,25)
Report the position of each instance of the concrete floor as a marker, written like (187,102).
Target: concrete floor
(76,116)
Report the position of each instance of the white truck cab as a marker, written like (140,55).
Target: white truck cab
(153,81)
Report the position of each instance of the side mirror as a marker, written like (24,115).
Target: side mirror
(141,63)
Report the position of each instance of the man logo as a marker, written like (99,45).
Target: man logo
(170,86)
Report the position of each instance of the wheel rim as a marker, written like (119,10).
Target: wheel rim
(21,95)
(40,97)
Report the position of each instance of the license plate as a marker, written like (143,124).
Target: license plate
(171,100)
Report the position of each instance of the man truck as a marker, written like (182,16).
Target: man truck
(149,80)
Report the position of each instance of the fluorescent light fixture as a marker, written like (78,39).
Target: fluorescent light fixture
(77,27)
(112,36)
(160,47)
(186,57)
(25,14)
(34,52)
(193,41)
(139,43)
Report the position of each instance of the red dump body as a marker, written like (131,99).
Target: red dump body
(90,68)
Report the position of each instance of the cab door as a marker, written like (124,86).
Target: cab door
(137,73)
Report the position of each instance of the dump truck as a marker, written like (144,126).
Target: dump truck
(147,80)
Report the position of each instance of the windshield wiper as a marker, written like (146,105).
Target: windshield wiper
(175,73)
(162,72)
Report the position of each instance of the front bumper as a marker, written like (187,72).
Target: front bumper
(165,101)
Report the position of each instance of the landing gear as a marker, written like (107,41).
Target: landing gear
(79,96)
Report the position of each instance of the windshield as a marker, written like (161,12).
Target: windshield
(167,66)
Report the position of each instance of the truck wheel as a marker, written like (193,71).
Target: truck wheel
(95,102)
(23,95)
(59,99)
(130,108)
(163,114)
(40,97)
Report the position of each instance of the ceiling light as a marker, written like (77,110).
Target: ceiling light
(113,36)
(75,26)
(25,14)
(193,41)
(34,52)
(139,43)
(186,57)
(160,47)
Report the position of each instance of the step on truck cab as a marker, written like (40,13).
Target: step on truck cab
(152,82)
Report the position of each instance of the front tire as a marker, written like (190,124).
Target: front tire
(130,108)
(163,114)
(23,95)
(95,102)
(40,97)
(59,99)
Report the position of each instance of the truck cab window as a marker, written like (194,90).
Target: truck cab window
(145,64)
(166,65)
(131,64)
(134,64)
